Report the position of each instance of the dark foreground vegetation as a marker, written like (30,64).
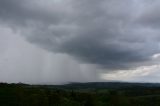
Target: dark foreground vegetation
(80,94)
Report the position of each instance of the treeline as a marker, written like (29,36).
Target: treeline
(29,95)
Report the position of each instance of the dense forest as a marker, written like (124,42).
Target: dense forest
(79,94)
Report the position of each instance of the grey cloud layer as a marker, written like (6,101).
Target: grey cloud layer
(108,33)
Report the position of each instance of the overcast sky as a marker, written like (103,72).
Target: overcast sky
(61,41)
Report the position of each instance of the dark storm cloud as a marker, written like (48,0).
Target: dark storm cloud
(150,15)
(19,12)
(104,33)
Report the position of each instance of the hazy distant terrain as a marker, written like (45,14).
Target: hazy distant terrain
(81,94)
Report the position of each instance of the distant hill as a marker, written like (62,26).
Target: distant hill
(93,85)
(105,85)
